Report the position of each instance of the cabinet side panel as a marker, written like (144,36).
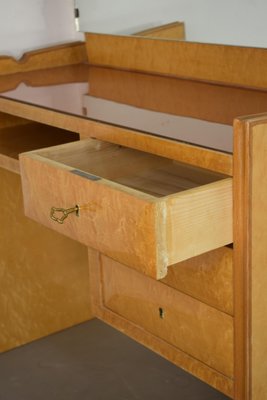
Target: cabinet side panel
(250,258)
(259,262)
(240,259)
(43,276)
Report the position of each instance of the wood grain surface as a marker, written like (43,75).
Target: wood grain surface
(133,226)
(191,326)
(174,30)
(170,352)
(51,76)
(250,258)
(193,155)
(43,275)
(56,56)
(208,62)
(199,220)
(184,97)
(208,278)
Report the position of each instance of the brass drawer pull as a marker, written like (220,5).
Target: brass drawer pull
(65,213)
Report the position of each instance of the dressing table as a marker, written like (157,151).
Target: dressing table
(156,165)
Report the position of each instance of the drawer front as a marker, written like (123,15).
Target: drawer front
(112,221)
(190,325)
(145,231)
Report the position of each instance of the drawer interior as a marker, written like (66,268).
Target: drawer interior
(151,174)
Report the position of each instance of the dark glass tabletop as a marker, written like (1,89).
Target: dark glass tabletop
(194,112)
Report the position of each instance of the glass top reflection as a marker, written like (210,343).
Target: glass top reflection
(194,112)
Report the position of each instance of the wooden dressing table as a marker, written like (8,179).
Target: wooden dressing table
(168,198)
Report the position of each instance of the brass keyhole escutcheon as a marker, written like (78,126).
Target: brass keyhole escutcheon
(59,214)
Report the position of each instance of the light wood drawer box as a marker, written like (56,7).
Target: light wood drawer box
(197,329)
(143,210)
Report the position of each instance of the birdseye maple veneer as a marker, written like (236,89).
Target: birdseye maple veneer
(162,177)
(141,209)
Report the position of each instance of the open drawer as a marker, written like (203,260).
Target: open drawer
(143,210)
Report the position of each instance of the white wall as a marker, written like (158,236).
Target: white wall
(30,24)
(240,22)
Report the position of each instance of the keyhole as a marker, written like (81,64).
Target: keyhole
(161,312)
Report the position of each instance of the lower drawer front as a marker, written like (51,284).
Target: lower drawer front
(192,326)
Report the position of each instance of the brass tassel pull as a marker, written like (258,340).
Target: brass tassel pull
(65,213)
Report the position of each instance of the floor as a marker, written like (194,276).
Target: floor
(94,361)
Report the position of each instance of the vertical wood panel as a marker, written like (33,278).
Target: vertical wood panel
(250,258)
(44,280)
(259,261)
(241,270)
(218,63)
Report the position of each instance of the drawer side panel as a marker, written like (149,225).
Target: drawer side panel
(199,220)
